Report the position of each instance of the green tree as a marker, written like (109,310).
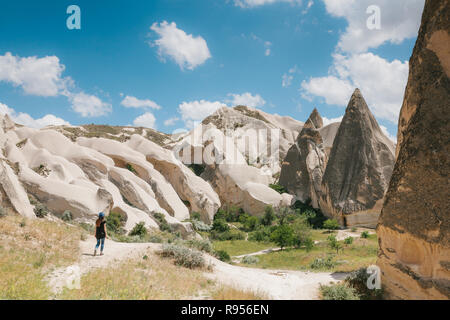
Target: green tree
(283,236)
(331,224)
(269,216)
(334,243)
(220,225)
(284,214)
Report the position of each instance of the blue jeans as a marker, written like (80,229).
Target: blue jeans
(102,242)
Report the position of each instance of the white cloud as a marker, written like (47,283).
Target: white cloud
(327,121)
(246,99)
(195,111)
(287,78)
(26,120)
(133,102)
(186,50)
(36,76)
(400,20)
(257,3)
(171,121)
(382,83)
(390,136)
(146,120)
(89,105)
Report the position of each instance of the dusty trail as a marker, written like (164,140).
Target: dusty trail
(274,284)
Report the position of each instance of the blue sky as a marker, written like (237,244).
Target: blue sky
(148,62)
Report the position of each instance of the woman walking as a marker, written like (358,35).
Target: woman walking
(100,233)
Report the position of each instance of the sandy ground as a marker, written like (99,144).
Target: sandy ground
(274,284)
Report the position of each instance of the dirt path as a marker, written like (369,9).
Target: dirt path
(274,284)
(114,253)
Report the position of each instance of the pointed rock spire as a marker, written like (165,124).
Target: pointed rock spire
(359,168)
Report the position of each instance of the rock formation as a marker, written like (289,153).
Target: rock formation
(305,163)
(414,226)
(359,168)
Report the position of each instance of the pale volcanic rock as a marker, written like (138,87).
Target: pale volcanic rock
(199,193)
(359,168)
(414,226)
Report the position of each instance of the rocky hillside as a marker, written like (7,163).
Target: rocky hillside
(343,169)
(414,225)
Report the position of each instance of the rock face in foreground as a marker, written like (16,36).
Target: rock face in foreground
(359,168)
(305,163)
(414,228)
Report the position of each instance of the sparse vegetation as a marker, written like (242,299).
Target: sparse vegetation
(331,224)
(183,256)
(365,234)
(139,230)
(250,260)
(162,222)
(278,188)
(338,292)
(67,216)
(222,255)
(40,210)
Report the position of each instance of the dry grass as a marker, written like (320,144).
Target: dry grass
(151,278)
(28,250)
(231,293)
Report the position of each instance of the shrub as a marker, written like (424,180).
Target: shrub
(232,234)
(278,188)
(323,264)
(201,226)
(115,222)
(338,292)
(198,169)
(283,214)
(40,210)
(354,229)
(348,240)
(2,212)
(269,216)
(183,256)
(250,260)
(202,245)
(139,230)
(283,236)
(251,223)
(222,255)
(220,225)
(331,224)
(262,234)
(130,168)
(309,244)
(358,281)
(231,214)
(196,216)
(315,217)
(162,222)
(365,235)
(67,216)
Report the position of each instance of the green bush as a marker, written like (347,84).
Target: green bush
(365,235)
(268,217)
(202,245)
(196,216)
(139,230)
(354,229)
(323,263)
(250,260)
(250,223)
(162,222)
(130,168)
(222,255)
(40,210)
(283,236)
(262,234)
(338,292)
(67,216)
(2,212)
(285,215)
(302,231)
(231,214)
(315,216)
(183,256)
(358,281)
(115,222)
(220,225)
(232,234)
(331,224)
(348,240)
(201,226)
(278,188)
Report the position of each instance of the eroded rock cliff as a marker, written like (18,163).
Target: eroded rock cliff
(414,227)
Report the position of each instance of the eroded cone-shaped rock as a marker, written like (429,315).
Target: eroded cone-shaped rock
(305,163)
(414,228)
(359,168)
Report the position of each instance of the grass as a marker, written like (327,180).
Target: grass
(28,250)
(240,247)
(231,293)
(361,253)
